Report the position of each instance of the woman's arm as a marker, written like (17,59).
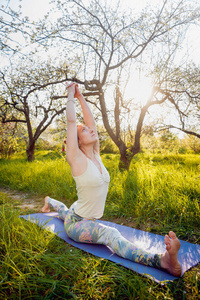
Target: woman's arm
(87,115)
(71,141)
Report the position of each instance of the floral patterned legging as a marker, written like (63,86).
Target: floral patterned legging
(88,231)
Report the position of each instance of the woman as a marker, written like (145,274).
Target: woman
(92,180)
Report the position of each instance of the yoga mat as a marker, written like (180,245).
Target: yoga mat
(188,256)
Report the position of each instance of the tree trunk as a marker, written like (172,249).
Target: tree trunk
(126,158)
(124,162)
(30,151)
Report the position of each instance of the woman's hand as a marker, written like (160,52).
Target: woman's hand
(77,92)
(73,87)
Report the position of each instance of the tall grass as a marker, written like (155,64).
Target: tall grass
(159,193)
(35,264)
(48,174)
(159,190)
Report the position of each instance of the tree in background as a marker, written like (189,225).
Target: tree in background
(169,141)
(181,86)
(16,31)
(7,139)
(103,43)
(191,142)
(98,46)
(26,97)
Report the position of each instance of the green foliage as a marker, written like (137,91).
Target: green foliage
(108,146)
(193,143)
(11,139)
(43,144)
(168,140)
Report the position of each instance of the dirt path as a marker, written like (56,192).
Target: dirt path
(25,201)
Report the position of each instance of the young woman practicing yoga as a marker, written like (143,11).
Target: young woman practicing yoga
(92,180)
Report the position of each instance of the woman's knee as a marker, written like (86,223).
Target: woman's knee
(107,234)
(113,232)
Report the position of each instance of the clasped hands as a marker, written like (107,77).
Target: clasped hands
(73,87)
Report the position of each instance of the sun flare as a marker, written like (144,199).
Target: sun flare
(139,89)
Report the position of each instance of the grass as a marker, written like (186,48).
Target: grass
(159,193)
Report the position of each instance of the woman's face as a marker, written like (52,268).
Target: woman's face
(86,135)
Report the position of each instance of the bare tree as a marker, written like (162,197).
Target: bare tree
(181,87)
(26,97)
(17,32)
(102,43)
(14,29)
(102,40)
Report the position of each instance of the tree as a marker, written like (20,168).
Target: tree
(26,97)
(169,141)
(192,142)
(181,86)
(14,29)
(105,42)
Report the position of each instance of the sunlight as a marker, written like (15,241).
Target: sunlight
(140,89)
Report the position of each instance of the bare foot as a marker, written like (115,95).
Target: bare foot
(46,207)
(169,260)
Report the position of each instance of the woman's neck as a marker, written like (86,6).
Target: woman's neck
(88,151)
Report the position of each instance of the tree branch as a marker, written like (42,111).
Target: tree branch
(185,130)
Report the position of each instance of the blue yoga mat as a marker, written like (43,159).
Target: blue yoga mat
(188,256)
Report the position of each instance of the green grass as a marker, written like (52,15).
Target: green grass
(161,192)
(158,193)
(48,174)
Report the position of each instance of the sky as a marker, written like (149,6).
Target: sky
(37,8)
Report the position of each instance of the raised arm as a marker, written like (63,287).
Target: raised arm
(87,115)
(72,148)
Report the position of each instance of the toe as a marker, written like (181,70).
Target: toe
(167,239)
(172,235)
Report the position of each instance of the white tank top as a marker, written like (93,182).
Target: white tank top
(92,189)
